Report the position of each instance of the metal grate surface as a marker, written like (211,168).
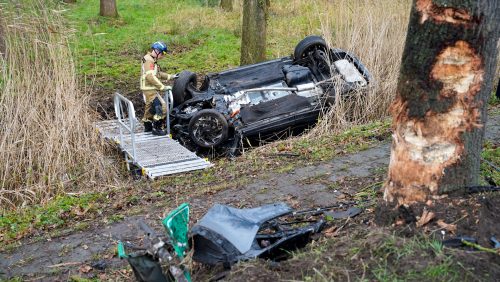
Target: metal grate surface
(109,129)
(155,155)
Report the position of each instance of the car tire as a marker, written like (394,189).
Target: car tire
(185,80)
(308,44)
(208,128)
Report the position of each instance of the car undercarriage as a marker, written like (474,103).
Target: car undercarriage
(263,98)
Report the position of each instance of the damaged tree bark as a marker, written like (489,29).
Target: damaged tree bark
(439,113)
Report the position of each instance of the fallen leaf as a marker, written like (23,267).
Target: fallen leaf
(449,227)
(79,211)
(85,268)
(425,218)
(399,221)
(330,232)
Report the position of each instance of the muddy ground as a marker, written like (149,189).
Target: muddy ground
(91,252)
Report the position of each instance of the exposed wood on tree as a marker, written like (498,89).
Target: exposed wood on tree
(226,5)
(108,8)
(253,39)
(439,113)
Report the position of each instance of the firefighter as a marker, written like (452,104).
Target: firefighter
(152,89)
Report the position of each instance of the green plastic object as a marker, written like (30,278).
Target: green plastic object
(177,225)
(121,250)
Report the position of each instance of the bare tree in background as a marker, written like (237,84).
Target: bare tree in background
(439,114)
(226,5)
(108,8)
(253,33)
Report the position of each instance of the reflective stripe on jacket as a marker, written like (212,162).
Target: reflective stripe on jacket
(149,74)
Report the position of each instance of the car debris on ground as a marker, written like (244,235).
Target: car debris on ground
(226,235)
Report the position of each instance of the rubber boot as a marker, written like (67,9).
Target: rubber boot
(148,126)
(158,130)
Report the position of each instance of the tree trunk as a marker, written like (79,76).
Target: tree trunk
(253,34)
(226,5)
(108,8)
(439,113)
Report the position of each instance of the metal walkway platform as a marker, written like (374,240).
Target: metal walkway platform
(154,155)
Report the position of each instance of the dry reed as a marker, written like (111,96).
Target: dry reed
(375,32)
(47,143)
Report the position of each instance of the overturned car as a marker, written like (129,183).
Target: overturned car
(263,98)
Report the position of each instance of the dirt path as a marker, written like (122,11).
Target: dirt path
(308,186)
(311,186)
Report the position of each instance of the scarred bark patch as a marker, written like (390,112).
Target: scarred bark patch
(423,148)
(429,10)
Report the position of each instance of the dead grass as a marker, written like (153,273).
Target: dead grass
(47,143)
(375,31)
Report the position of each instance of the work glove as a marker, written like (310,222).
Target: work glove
(164,88)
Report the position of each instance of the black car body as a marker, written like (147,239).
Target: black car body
(263,98)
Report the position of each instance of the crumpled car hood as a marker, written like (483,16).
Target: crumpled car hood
(239,226)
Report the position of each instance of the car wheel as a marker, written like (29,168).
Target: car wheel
(307,45)
(208,128)
(185,81)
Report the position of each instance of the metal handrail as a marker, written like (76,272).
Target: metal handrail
(169,100)
(118,100)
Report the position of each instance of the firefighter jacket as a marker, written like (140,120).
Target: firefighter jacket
(151,74)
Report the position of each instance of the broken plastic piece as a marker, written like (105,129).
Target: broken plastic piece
(349,213)
(154,262)
(121,250)
(458,241)
(481,189)
(496,244)
(177,225)
(227,235)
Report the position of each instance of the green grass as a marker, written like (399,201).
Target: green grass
(432,263)
(360,255)
(490,153)
(493,101)
(202,38)
(111,49)
(356,139)
(54,214)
